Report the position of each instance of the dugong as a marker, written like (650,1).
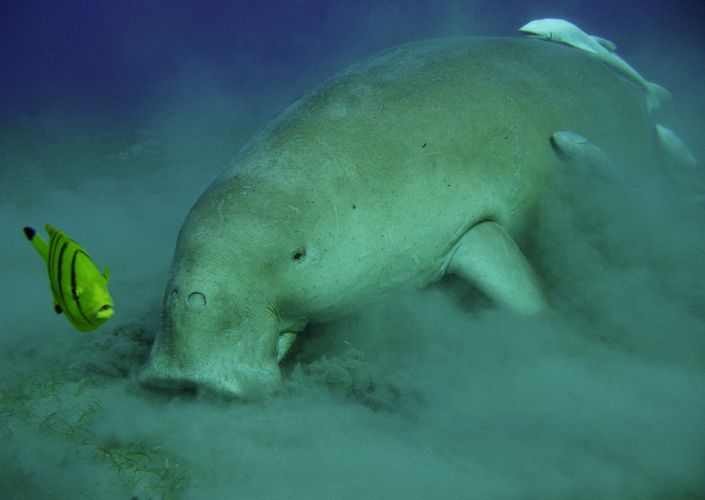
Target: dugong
(427,159)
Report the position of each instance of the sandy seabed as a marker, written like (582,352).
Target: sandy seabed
(421,394)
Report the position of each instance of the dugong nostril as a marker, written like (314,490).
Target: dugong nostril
(196,300)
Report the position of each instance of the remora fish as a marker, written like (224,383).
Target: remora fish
(565,32)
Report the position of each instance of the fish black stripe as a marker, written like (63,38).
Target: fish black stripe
(51,264)
(57,241)
(73,283)
(59,265)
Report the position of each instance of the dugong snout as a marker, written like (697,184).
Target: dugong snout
(216,349)
(241,383)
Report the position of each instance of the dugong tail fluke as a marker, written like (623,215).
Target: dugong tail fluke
(655,95)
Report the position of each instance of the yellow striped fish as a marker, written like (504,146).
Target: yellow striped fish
(80,290)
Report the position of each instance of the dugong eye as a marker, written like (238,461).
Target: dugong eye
(171,300)
(196,299)
(298,254)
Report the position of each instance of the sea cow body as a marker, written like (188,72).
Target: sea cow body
(427,159)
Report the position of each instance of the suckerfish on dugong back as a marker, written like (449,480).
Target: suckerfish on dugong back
(673,151)
(565,32)
(579,152)
(562,31)
(427,159)
(682,168)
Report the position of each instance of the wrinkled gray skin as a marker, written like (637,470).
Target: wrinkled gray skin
(427,159)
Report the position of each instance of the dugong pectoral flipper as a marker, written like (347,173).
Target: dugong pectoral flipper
(286,340)
(488,257)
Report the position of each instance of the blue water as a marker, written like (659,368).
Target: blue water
(102,56)
(114,116)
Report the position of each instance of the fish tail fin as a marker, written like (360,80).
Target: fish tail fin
(655,96)
(39,244)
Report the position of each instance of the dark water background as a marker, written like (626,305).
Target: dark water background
(114,116)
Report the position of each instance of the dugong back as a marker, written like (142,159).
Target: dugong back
(398,155)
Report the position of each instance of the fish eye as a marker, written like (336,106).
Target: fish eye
(196,299)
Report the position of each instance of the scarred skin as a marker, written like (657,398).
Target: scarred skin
(367,185)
